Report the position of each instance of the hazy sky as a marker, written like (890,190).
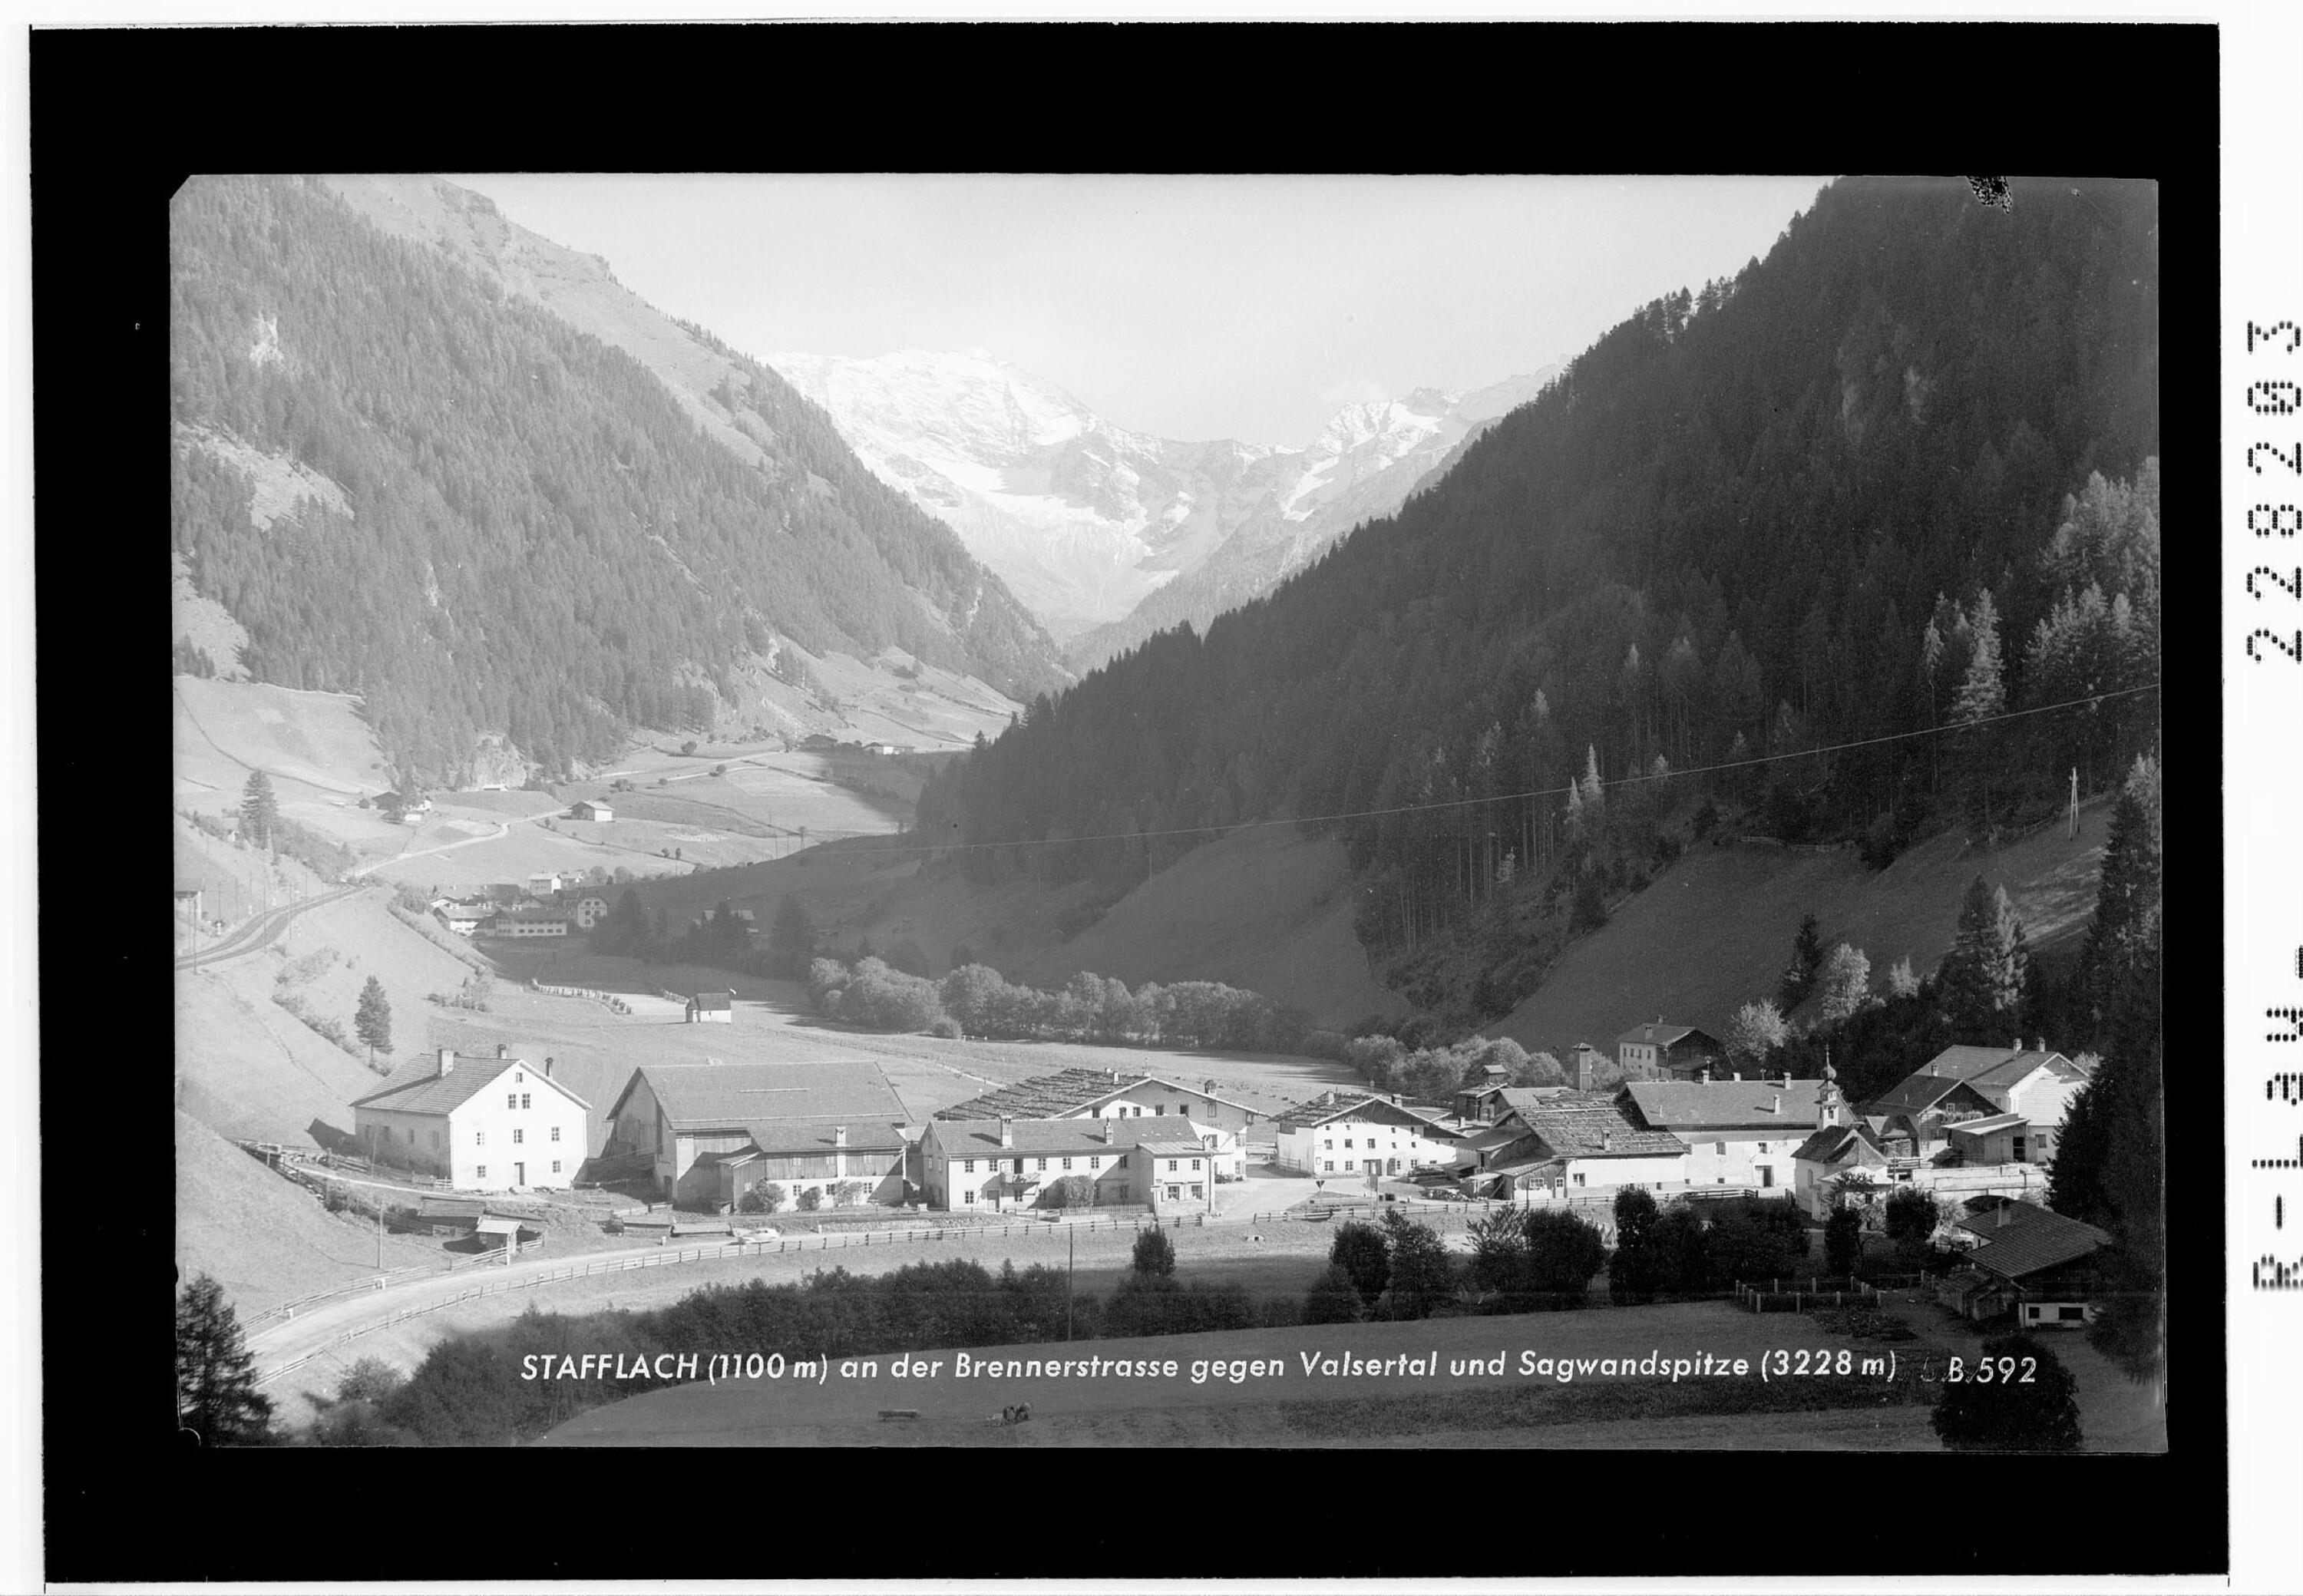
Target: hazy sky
(1248,308)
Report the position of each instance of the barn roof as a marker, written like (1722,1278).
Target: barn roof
(795,1138)
(1069,1092)
(2032,1238)
(980,1138)
(726,1096)
(1696,1105)
(1575,1130)
(1661,1034)
(2001,1066)
(1917,1093)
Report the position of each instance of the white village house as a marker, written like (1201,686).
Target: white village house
(1738,1132)
(1164,1161)
(1358,1133)
(485,1124)
(714,1132)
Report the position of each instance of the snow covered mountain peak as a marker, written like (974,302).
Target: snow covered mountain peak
(1087,521)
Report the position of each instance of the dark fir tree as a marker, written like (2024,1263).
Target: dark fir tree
(791,940)
(1154,1253)
(259,810)
(2127,901)
(1637,1267)
(217,1397)
(1982,981)
(1807,958)
(373,1019)
(1423,1274)
(1842,1240)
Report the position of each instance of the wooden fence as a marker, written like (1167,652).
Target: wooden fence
(609,997)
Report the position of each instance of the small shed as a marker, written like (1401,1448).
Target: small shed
(712,1008)
(590,810)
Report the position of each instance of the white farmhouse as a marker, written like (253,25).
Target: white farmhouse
(1358,1133)
(486,1125)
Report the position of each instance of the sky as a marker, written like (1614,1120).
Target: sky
(1190,307)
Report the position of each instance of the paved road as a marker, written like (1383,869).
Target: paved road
(261,931)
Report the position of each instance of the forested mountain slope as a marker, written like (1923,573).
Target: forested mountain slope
(1901,475)
(530,533)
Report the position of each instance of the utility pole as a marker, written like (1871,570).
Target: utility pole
(2075,801)
(1071,1261)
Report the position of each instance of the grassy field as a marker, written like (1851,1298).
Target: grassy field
(265,1239)
(1264,909)
(1715,930)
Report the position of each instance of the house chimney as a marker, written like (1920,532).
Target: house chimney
(1006,1132)
(839,1136)
(1607,1141)
(503,1052)
(2040,1046)
(2015,1046)
(1706,1076)
(547,1068)
(447,1060)
(1105,1126)
(1779,1104)
(1736,1076)
(2006,1212)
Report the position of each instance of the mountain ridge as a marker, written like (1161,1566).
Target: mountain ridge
(1089,521)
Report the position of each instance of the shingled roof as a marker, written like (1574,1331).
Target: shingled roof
(2031,1238)
(1659,1033)
(1826,1144)
(1699,1105)
(1319,1111)
(1575,1130)
(794,1137)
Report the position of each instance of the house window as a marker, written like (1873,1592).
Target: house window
(1067,1163)
(1159,1108)
(971,1196)
(555,1133)
(512,1100)
(1578,1177)
(1721,1147)
(1347,1141)
(970,1166)
(1171,1166)
(1328,1168)
(481,1173)
(555,1166)
(1196,1164)
(1095,1160)
(1019,1166)
(517,1137)
(1763,1147)
(1328,1143)
(479,1138)
(520,1074)
(523,1100)
(1199,1189)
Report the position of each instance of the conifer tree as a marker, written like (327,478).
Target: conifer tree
(259,809)
(2127,901)
(1984,974)
(1982,696)
(373,1019)
(217,1397)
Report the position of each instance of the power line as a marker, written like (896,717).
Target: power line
(1505,798)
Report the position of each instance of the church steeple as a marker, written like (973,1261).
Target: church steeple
(1830,1108)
